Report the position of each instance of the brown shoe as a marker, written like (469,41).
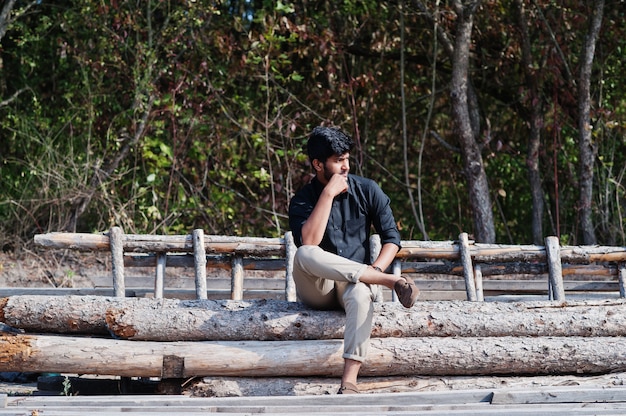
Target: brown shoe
(348,388)
(407,291)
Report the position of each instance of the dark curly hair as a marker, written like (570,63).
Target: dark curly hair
(325,142)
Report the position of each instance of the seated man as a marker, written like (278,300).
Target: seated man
(331,218)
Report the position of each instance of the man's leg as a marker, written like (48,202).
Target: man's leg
(357,300)
(315,273)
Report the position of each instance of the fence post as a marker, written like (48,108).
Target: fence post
(199,263)
(161,259)
(116,242)
(468,270)
(555,272)
(236,282)
(478,276)
(290,252)
(621,276)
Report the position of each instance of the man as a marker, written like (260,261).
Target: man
(331,219)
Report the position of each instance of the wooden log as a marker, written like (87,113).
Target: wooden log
(553,251)
(117,255)
(164,243)
(511,268)
(168,319)
(411,249)
(236,285)
(290,252)
(478,277)
(159,280)
(65,314)
(387,356)
(199,263)
(622,279)
(468,269)
(390,320)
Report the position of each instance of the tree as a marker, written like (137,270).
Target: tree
(534,109)
(465,117)
(588,149)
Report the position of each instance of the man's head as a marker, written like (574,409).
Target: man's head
(325,142)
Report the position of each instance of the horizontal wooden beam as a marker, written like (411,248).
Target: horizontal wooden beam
(146,243)
(387,356)
(282,320)
(411,249)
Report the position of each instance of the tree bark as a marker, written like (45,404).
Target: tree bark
(587,147)
(269,320)
(387,356)
(478,186)
(534,108)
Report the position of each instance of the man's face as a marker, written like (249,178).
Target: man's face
(336,164)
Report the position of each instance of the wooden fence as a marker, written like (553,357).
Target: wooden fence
(451,267)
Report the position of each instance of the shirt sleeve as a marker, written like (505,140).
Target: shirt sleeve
(300,209)
(382,216)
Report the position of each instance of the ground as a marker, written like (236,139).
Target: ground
(28,267)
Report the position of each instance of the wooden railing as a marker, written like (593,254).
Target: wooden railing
(604,267)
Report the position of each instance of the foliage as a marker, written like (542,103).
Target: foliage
(169,115)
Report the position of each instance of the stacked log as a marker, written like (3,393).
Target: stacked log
(268,338)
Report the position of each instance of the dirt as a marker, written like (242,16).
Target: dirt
(51,268)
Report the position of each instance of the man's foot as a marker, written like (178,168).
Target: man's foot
(348,388)
(407,291)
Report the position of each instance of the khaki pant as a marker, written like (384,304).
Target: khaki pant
(327,281)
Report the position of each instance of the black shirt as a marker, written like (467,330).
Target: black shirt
(351,218)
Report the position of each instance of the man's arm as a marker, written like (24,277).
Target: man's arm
(315,226)
(386,257)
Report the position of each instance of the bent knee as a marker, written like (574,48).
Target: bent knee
(360,293)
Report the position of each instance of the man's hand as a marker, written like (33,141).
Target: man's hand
(337,184)
(315,226)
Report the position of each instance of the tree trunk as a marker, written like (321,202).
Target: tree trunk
(478,187)
(587,147)
(446,319)
(534,107)
(387,356)
(171,320)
